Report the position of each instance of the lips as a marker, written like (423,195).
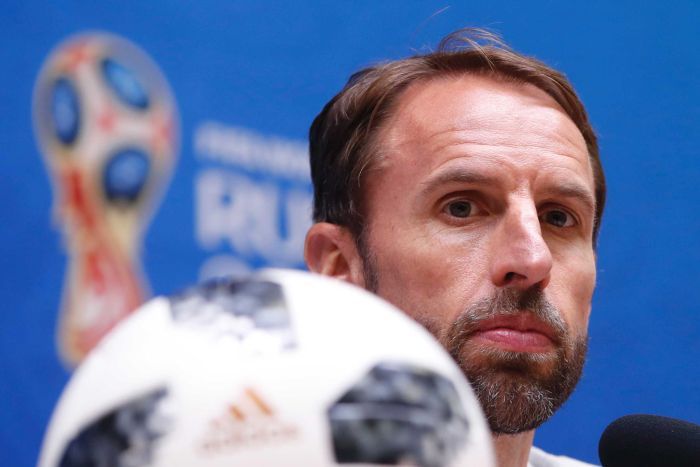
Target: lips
(521,332)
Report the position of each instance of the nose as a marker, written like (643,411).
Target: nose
(520,256)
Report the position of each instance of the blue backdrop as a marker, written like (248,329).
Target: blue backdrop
(249,76)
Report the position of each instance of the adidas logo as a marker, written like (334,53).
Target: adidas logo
(252,405)
(248,422)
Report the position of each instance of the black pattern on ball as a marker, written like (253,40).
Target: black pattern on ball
(126,436)
(399,413)
(242,308)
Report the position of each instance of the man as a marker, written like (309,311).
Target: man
(465,187)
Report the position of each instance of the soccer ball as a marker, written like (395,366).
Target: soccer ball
(106,123)
(282,368)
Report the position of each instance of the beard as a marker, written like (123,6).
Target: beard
(518,391)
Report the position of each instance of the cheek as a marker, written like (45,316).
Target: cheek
(572,289)
(428,276)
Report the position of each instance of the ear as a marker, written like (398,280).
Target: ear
(331,250)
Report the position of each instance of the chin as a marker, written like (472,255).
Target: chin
(521,390)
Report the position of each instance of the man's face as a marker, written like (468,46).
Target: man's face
(480,221)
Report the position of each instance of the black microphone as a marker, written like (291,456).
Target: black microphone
(650,441)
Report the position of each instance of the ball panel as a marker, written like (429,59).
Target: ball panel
(124,84)
(397,414)
(65,111)
(253,312)
(124,436)
(134,359)
(125,175)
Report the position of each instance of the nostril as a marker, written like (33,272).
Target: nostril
(509,276)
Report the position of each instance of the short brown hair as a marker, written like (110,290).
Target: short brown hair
(342,136)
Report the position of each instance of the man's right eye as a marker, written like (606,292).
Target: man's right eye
(461,209)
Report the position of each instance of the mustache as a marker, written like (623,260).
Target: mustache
(508,302)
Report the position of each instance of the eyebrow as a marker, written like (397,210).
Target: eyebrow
(570,190)
(574,191)
(455,176)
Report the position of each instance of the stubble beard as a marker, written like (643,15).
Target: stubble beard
(518,391)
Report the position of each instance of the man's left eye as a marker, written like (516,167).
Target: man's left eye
(558,218)
(461,209)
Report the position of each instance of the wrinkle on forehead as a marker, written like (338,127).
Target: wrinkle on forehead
(488,142)
(424,116)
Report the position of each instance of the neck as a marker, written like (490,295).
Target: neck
(513,450)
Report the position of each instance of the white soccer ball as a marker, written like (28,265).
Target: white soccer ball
(282,369)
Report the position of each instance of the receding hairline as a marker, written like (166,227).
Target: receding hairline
(343,137)
(376,144)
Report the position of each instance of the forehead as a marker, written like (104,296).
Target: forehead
(459,116)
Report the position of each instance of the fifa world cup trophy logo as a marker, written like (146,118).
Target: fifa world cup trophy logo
(106,123)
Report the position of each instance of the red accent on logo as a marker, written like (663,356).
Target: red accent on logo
(80,209)
(162,134)
(106,120)
(76,55)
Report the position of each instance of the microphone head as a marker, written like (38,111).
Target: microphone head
(650,440)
